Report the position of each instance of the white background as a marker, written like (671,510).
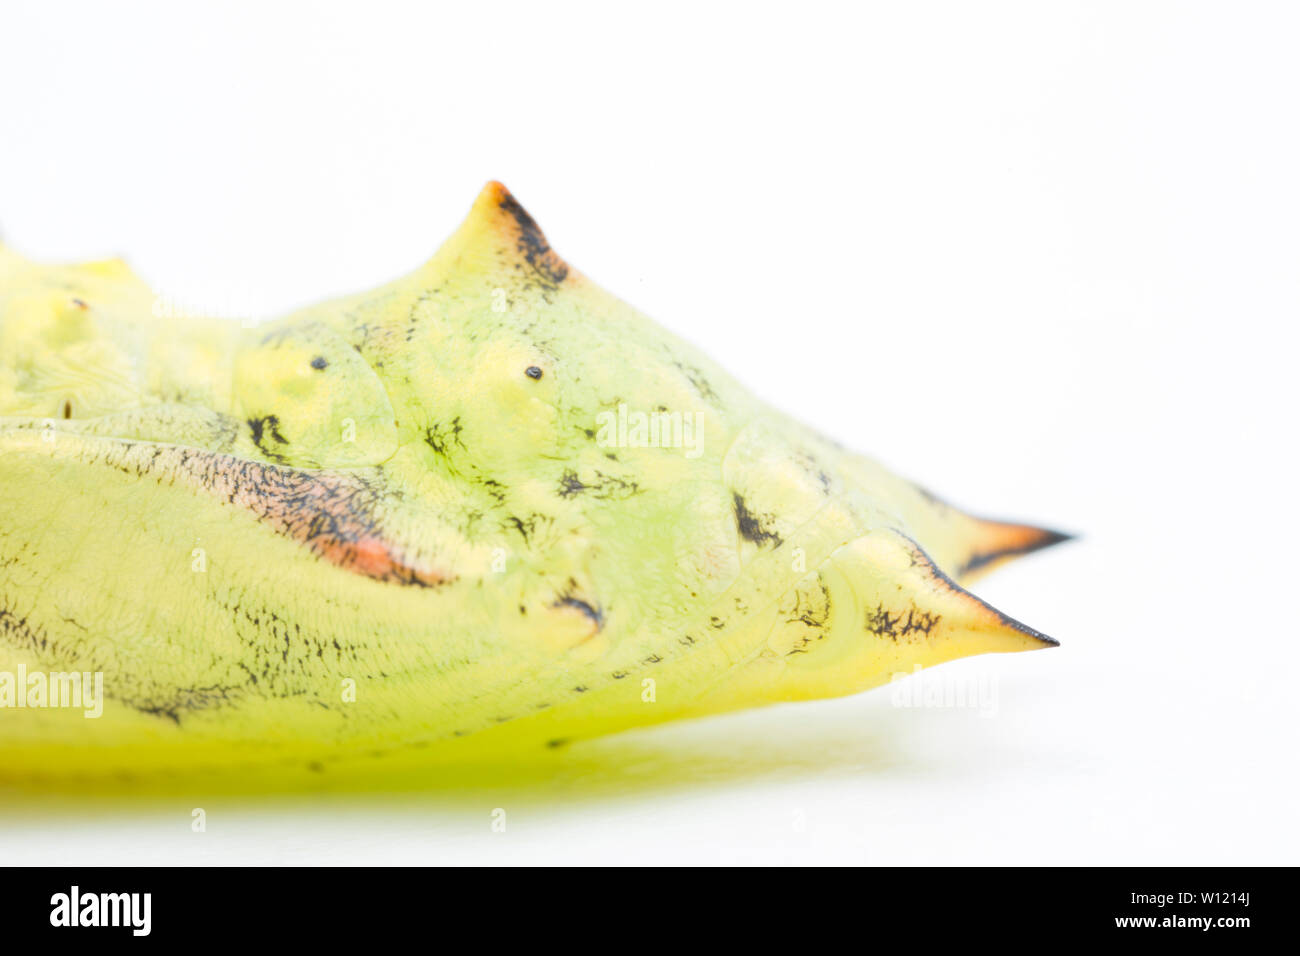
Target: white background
(1041,257)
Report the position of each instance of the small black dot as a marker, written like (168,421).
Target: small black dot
(319,362)
(533,372)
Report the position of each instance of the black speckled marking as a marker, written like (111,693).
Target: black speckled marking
(549,267)
(901,625)
(264,428)
(599,485)
(570,599)
(812,608)
(442,437)
(752,526)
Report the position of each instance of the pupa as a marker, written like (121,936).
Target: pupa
(479,510)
